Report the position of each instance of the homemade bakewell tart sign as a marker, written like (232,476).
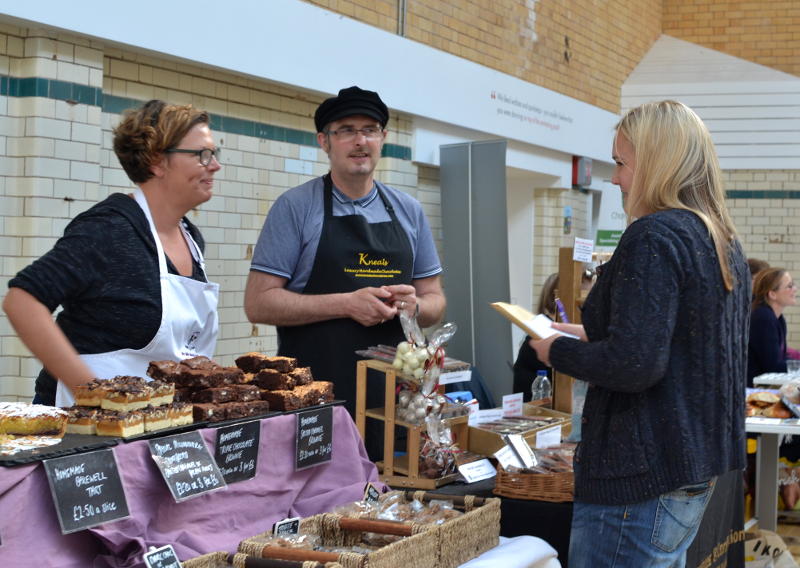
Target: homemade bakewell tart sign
(236,452)
(186,465)
(86,489)
(314,440)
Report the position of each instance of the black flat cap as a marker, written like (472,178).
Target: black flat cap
(349,102)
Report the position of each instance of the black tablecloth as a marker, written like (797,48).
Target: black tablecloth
(718,543)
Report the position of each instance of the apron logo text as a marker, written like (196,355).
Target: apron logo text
(364,261)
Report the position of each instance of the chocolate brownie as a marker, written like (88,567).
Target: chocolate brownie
(245,393)
(253,362)
(302,375)
(183,395)
(236,410)
(257,407)
(208,412)
(199,363)
(216,394)
(163,370)
(272,379)
(282,399)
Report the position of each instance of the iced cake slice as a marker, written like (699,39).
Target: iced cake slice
(23,419)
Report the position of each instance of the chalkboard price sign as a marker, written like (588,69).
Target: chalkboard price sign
(314,437)
(186,465)
(86,489)
(237,451)
(163,557)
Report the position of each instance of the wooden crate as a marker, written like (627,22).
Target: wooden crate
(399,471)
(487,443)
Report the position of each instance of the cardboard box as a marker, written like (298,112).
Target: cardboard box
(487,443)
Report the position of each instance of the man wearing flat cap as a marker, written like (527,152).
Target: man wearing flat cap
(340,256)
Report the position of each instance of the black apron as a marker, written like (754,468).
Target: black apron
(347,245)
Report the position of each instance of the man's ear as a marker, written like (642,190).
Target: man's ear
(323,141)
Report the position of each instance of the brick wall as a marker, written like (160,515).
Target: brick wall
(763,32)
(580,48)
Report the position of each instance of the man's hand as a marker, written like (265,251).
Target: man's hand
(371,306)
(403,297)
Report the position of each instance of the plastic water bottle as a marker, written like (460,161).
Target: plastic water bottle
(538,386)
(546,388)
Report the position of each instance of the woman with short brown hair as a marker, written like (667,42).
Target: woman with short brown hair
(129,272)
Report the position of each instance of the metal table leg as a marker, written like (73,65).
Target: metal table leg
(767,481)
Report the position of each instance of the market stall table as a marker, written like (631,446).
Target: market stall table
(31,536)
(771,429)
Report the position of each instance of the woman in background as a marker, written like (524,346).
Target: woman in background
(129,272)
(663,348)
(527,364)
(773,291)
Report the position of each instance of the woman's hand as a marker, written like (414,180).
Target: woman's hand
(573,328)
(542,346)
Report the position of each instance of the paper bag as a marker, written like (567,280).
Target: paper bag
(767,550)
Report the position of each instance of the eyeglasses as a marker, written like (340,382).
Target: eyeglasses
(347,133)
(203,155)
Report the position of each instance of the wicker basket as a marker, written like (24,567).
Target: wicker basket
(224,560)
(463,538)
(420,550)
(554,487)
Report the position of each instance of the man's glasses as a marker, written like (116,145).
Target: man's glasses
(203,155)
(347,133)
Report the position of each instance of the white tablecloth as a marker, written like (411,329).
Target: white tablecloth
(517,552)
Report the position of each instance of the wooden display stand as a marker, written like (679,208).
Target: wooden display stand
(569,291)
(570,276)
(399,471)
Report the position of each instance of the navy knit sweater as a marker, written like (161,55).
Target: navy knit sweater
(666,362)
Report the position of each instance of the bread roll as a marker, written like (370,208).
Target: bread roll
(777,411)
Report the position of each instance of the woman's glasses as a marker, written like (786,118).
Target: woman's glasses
(203,155)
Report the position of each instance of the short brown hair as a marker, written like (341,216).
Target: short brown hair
(145,133)
(766,281)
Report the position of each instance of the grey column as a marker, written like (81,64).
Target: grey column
(475,250)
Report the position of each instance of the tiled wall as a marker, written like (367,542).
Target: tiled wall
(60,96)
(549,229)
(580,48)
(763,32)
(766,210)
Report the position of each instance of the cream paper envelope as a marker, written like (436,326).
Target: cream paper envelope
(537,326)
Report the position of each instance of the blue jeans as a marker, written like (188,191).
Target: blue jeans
(651,534)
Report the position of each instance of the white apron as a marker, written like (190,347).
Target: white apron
(189,322)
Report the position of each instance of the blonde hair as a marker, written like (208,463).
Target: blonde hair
(677,168)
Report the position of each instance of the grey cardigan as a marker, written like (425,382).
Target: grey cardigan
(666,362)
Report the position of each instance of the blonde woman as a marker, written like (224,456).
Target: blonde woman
(664,344)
